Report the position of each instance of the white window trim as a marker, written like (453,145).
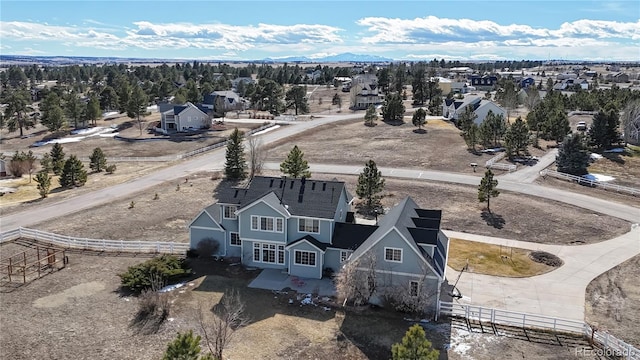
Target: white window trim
(231,237)
(392,248)
(305,220)
(278,248)
(347,252)
(417,288)
(233,213)
(315,258)
(275,223)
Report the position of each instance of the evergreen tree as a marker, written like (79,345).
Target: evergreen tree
(296,97)
(73,108)
(419,118)
(604,130)
(418,87)
(414,346)
(44,183)
(468,128)
(517,138)
(73,173)
(492,129)
(370,183)
(235,166)
(137,105)
(15,114)
(371,116)
(46,164)
(57,158)
(488,188)
(98,160)
(93,112)
(295,165)
(573,157)
(393,108)
(52,113)
(186,346)
(557,125)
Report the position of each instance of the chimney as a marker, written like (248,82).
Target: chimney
(283,182)
(301,192)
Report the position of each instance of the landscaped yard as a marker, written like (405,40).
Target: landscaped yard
(494,260)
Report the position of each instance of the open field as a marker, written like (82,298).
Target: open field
(493,260)
(440,148)
(56,317)
(595,192)
(516,216)
(624,167)
(613,301)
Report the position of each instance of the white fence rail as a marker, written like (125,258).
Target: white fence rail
(592,183)
(610,343)
(494,164)
(69,242)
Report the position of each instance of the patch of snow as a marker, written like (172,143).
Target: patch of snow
(152,108)
(110,113)
(307,300)
(87,131)
(598,177)
(265,130)
(5,190)
(171,287)
(615,150)
(595,156)
(108,134)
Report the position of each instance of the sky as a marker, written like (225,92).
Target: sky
(598,30)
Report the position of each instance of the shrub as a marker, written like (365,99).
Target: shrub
(207,247)
(140,277)
(110,169)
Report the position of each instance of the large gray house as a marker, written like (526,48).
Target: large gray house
(305,227)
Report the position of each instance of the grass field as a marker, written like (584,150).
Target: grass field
(493,260)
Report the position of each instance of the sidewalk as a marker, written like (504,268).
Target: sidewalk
(559,293)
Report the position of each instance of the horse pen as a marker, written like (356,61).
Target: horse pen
(30,264)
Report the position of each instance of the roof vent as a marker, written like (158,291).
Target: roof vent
(291,186)
(313,185)
(236,194)
(271,183)
(324,186)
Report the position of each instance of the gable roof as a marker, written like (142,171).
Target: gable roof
(350,236)
(213,211)
(301,197)
(311,240)
(414,224)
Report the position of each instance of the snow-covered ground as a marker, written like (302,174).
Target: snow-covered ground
(598,177)
(84,133)
(266,130)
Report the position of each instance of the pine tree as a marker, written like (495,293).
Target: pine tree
(573,157)
(186,346)
(57,158)
(92,111)
(73,173)
(370,183)
(517,138)
(488,189)
(604,130)
(235,166)
(44,184)
(371,116)
(46,164)
(295,165)
(137,105)
(393,108)
(419,118)
(468,128)
(98,160)
(414,346)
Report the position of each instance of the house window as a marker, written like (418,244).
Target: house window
(230,212)
(413,288)
(393,254)
(268,253)
(235,239)
(309,225)
(344,255)
(267,223)
(307,258)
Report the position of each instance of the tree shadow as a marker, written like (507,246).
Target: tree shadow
(394,122)
(420,131)
(495,220)
(615,157)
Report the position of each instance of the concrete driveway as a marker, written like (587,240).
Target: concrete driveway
(559,293)
(274,279)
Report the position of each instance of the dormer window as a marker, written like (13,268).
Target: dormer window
(230,212)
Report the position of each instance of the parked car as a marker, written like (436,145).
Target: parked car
(582,126)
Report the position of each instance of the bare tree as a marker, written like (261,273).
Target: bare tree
(153,307)
(631,122)
(413,296)
(219,327)
(356,281)
(257,155)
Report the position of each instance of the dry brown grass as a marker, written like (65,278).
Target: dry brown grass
(625,168)
(613,301)
(493,260)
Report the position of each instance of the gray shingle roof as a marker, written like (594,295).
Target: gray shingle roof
(312,198)
(313,241)
(350,236)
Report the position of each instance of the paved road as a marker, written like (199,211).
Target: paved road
(528,174)
(182,169)
(559,293)
(621,211)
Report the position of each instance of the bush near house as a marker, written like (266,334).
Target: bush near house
(141,276)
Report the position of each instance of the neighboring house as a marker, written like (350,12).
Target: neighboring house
(218,101)
(526,82)
(453,108)
(313,75)
(304,227)
(365,92)
(566,76)
(570,84)
(620,78)
(181,118)
(245,80)
(485,82)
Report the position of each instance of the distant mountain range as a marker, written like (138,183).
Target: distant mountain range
(65,60)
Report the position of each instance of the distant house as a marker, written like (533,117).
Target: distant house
(566,76)
(238,80)
(218,101)
(620,78)
(181,118)
(485,82)
(302,227)
(453,108)
(526,82)
(313,75)
(570,84)
(365,92)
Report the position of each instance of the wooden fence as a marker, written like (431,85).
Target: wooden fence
(494,164)
(592,183)
(481,314)
(69,242)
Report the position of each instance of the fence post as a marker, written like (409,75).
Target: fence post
(555,320)
(493,316)
(524,320)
